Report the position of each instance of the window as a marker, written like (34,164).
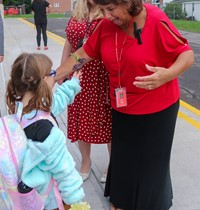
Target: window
(56,4)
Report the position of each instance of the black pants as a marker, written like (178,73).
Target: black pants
(41,27)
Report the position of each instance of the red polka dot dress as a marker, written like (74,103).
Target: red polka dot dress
(89,117)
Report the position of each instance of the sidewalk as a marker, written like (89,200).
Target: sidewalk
(185,161)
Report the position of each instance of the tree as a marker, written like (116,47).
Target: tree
(174,11)
(9,2)
(16,2)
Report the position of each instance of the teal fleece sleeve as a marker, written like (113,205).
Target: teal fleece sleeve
(64,95)
(48,159)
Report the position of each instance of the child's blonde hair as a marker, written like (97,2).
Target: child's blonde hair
(82,10)
(27,73)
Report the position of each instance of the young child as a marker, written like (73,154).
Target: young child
(47,156)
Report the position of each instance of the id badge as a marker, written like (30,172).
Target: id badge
(121,97)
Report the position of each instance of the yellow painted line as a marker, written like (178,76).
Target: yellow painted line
(53,36)
(27,23)
(190,108)
(59,37)
(188,119)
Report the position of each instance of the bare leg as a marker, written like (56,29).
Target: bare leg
(85,149)
(109,152)
(112,208)
(104,175)
(109,149)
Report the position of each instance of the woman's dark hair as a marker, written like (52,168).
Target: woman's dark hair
(135,8)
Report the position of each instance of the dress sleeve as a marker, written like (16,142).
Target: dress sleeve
(93,45)
(168,41)
(68,24)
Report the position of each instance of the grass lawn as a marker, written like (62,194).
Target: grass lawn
(186,25)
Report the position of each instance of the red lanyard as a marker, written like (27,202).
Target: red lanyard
(119,56)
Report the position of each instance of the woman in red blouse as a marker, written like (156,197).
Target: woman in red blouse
(144,54)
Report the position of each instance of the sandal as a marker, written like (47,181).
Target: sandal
(103,177)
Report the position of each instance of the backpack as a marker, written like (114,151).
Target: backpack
(13,145)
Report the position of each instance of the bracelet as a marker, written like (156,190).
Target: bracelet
(53,73)
(75,57)
(79,62)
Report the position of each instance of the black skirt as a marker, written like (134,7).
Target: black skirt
(139,171)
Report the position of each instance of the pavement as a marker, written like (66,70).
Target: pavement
(185,160)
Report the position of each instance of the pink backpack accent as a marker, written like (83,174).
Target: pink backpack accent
(13,145)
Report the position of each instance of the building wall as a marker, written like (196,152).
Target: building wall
(60,6)
(192,9)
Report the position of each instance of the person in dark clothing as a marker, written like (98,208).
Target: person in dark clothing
(39,8)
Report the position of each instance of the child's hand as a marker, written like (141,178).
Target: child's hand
(60,81)
(78,75)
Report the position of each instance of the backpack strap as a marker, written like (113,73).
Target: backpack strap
(27,120)
(40,115)
(18,110)
(58,196)
(10,146)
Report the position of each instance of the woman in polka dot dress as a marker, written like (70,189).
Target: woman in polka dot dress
(89,117)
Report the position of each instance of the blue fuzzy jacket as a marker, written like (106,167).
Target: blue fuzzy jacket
(44,160)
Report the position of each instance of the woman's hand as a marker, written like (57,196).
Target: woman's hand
(159,77)
(162,75)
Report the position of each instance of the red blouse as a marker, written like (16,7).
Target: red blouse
(159,48)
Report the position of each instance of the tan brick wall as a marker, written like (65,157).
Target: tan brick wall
(63,6)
